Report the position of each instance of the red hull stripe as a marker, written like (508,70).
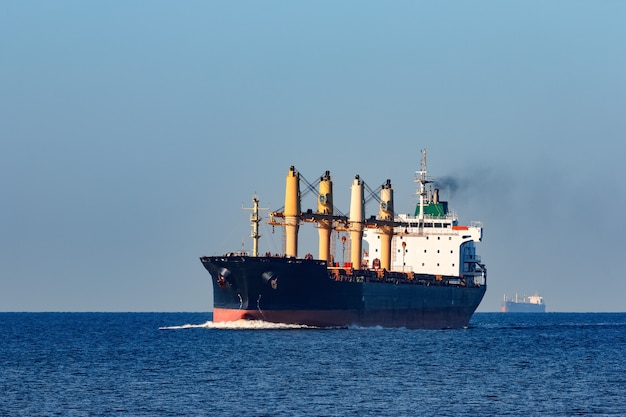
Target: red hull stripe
(414,319)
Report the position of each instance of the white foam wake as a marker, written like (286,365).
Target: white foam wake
(240,325)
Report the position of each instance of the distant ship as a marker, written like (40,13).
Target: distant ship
(530,304)
(416,270)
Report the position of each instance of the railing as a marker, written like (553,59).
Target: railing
(380,276)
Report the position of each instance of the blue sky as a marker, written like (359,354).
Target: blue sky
(132,133)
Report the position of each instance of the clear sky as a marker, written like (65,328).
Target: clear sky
(133,132)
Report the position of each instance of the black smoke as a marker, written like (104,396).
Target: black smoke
(448,185)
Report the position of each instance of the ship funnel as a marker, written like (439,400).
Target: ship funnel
(436,196)
(385,212)
(292,212)
(357,213)
(325,206)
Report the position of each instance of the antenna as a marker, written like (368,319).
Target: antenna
(421,177)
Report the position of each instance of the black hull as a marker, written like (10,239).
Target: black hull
(302,291)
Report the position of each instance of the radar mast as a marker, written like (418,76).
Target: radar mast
(421,177)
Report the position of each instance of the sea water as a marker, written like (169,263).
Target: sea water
(179,364)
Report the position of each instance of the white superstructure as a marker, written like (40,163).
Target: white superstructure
(431,241)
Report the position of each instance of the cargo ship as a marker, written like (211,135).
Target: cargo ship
(416,270)
(530,304)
